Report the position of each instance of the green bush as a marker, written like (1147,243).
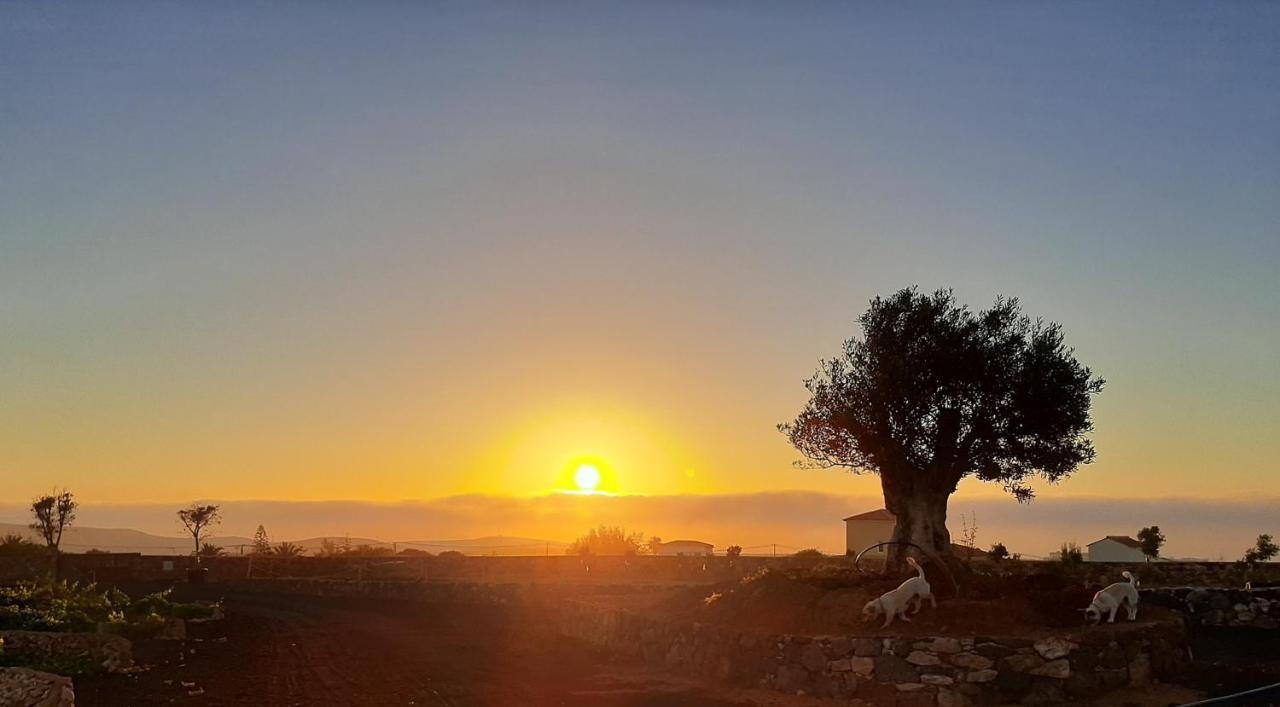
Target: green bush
(63,606)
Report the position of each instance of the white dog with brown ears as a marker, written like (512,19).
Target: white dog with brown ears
(1111,598)
(895,603)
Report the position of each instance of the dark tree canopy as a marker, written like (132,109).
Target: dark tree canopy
(933,392)
(1151,539)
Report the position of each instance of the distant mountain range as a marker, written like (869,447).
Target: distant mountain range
(83,539)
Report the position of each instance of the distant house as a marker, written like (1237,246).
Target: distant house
(866,529)
(685,547)
(1115,548)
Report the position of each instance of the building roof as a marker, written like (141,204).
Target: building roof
(880,514)
(1122,539)
(689,542)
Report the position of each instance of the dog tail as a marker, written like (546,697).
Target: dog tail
(1132,580)
(919,570)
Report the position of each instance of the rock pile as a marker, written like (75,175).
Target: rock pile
(22,686)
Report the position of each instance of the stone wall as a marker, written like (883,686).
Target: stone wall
(939,671)
(1237,608)
(111,653)
(895,672)
(32,688)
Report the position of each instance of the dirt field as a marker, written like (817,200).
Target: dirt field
(277,651)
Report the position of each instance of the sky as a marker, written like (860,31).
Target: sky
(388,251)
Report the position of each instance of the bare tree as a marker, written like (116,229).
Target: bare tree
(196,519)
(52,514)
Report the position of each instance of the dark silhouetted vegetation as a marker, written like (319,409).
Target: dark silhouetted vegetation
(196,519)
(288,549)
(261,543)
(1070,554)
(1151,540)
(50,517)
(606,540)
(999,552)
(1263,550)
(933,392)
(733,551)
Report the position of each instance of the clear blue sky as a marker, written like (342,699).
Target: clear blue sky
(385,250)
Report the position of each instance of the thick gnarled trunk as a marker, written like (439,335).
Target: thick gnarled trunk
(921,521)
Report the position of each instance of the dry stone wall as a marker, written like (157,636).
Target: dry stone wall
(110,653)
(943,671)
(1259,608)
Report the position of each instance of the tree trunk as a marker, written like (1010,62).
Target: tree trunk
(922,521)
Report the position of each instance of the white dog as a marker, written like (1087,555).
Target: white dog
(896,602)
(1112,598)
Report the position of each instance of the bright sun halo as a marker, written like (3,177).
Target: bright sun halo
(587,477)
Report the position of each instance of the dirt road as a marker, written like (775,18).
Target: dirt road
(276,651)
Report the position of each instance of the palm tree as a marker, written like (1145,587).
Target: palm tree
(287,549)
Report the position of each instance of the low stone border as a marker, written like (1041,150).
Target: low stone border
(887,672)
(942,671)
(111,653)
(1236,608)
(32,688)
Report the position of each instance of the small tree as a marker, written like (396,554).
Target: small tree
(810,552)
(50,517)
(733,552)
(933,392)
(1263,550)
(999,551)
(653,545)
(606,540)
(261,543)
(208,549)
(196,519)
(1151,539)
(1070,554)
(287,549)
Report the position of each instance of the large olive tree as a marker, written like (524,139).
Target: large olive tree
(933,392)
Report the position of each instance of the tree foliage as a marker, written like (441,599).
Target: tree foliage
(933,392)
(999,551)
(733,551)
(1263,550)
(51,514)
(261,543)
(1151,540)
(288,549)
(607,540)
(197,518)
(1070,554)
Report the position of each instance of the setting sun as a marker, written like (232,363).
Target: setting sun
(587,477)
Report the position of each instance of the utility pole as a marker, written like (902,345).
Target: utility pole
(775,549)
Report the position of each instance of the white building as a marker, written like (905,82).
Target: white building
(1115,548)
(866,529)
(685,547)
(863,530)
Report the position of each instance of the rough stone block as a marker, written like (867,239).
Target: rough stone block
(864,667)
(1054,647)
(972,661)
(1059,669)
(923,658)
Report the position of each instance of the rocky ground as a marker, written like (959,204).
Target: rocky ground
(277,651)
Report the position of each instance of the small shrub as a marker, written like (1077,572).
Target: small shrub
(1070,554)
(810,552)
(733,552)
(999,552)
